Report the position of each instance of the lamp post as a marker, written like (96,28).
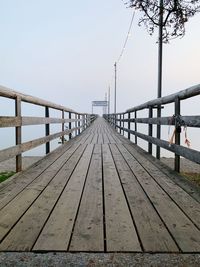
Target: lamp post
(160,48)
(109,100)
(115,100)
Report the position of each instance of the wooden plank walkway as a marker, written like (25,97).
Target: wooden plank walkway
(97,193)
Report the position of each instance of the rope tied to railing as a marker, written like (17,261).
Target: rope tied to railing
(178,122)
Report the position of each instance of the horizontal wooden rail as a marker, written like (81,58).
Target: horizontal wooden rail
(190,121)
(188,153)
(18,149)
(22,121)
(130,117)
(75,123)
(8,93)
(184,94)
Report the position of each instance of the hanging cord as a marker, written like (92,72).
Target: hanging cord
(187,142)
(178,122)
(171,140)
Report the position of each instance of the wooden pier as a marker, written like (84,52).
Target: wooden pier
(98,193)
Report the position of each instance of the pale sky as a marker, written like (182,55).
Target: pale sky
(64,51)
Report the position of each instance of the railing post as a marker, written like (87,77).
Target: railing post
(18,133)
(86,121)
(123,124)
(158,132)
(83,122)
(70,125)
(150,130)
(63,126)
(120,123)
(47,130)
(177,135)
(129,125)
(136,127)
(76,125)
(79,123)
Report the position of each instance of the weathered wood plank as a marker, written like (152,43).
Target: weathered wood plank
(18,149)
(105,139)
(100,139)
(6,121)
(152,231)
(95,139)
(190,121)
(187,153)
(6,188)
(180,180)
(23,235)
(192,91)
(185,233)
(110,138)
(189,205)
(120,231)
(18,204)
(29,174)
(6,92)
(57,204)
(18,134)
(90,138)
(88,231)
(57,231)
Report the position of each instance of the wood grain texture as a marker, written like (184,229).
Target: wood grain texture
(88,230)
(57,231)
(120,231)
(183,230)
(24,234)
(152,231)
(113,198)
(18,149)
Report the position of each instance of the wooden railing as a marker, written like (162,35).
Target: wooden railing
(76,123)
(130,118)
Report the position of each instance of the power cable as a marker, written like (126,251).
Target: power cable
(127,37)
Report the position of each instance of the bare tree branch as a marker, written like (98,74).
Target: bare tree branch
(175,14)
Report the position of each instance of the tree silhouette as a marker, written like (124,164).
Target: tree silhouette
(175,14)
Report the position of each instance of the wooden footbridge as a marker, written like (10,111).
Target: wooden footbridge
(97,192)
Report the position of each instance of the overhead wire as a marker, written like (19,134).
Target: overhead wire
(124,46)
(127,37)
(125,43)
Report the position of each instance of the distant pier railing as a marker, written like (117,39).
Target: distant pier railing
(130,118)
(75,123)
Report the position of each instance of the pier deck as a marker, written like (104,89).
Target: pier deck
(97,193)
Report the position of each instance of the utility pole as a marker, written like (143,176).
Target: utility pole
(109,100)
(115,101)
(160,48)
(105,107)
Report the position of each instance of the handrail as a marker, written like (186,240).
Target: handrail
(118,122)
(77,122)
(187,93)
